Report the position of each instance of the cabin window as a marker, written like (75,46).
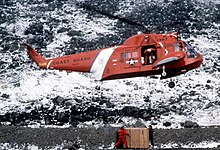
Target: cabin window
(128,55)
(122,56)
(176,47)
(134,54)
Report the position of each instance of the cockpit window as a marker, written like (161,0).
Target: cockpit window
(176,47)
(191,53)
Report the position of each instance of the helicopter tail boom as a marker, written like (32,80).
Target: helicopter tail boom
(35,56)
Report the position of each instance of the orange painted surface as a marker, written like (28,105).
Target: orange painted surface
(139,55)
(81,62)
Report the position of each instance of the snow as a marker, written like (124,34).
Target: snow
(59,41)
(24,146)
(38,87)
(28,86)
(204,144)
(30,147)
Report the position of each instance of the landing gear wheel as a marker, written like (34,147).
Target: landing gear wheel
(171,84)
(164,72)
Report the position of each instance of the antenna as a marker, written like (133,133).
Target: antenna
(91,8)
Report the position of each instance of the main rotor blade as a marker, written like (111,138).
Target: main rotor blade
(91,8)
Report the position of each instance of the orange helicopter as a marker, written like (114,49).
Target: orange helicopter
(140,55)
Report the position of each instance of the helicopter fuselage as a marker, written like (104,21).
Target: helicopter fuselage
(139,55)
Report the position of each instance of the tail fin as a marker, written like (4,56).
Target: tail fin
(36,57)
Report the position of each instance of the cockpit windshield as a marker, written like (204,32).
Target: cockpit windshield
(191,53)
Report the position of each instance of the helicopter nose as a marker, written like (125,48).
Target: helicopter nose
(195,62)
(200,59)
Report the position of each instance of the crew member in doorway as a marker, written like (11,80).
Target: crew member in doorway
(121,139)
(151,138)
(149,56)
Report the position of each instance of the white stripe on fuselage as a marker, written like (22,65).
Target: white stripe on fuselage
(48,65)
(100,62)
(166,51)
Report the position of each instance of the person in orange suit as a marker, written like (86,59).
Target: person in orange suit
(120,138)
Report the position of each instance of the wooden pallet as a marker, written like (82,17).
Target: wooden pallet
(139,138)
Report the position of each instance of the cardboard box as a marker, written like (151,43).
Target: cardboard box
(139,138)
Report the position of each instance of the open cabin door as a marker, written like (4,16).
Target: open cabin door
(148,55)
